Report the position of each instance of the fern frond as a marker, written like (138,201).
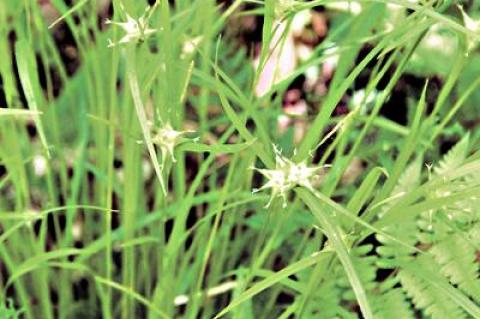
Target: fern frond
(392,304)
(430,300)
(391,252)
(326,303)
(458,260)
(365,265)
(409,179)
(454,158)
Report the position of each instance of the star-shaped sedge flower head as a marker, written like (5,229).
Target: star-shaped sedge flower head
(166,138)
(136,30)
(286,175)
(190,46)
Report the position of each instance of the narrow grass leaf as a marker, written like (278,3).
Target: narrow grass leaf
(335,237)
(142,117)
(39,261)
(272,280)
(28,78)
(132,294)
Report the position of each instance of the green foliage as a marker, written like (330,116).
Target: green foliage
(127,150)
(431,301)
(442,234)
(8,311)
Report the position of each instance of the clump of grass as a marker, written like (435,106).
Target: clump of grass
(127,147)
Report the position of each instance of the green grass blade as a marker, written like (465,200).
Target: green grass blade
(272,280)
(29,80)
(132,294)
(142,117)
(335,237)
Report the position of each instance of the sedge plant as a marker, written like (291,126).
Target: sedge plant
(143,174)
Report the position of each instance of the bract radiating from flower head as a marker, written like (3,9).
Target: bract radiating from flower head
(286,176)
(135,29)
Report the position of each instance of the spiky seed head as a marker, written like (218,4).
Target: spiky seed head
(286,175)
(166,138)
(135,29)
(191,45)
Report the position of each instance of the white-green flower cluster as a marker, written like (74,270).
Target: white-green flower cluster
(287,175)
(166,138)
(190,45)
(135,29)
